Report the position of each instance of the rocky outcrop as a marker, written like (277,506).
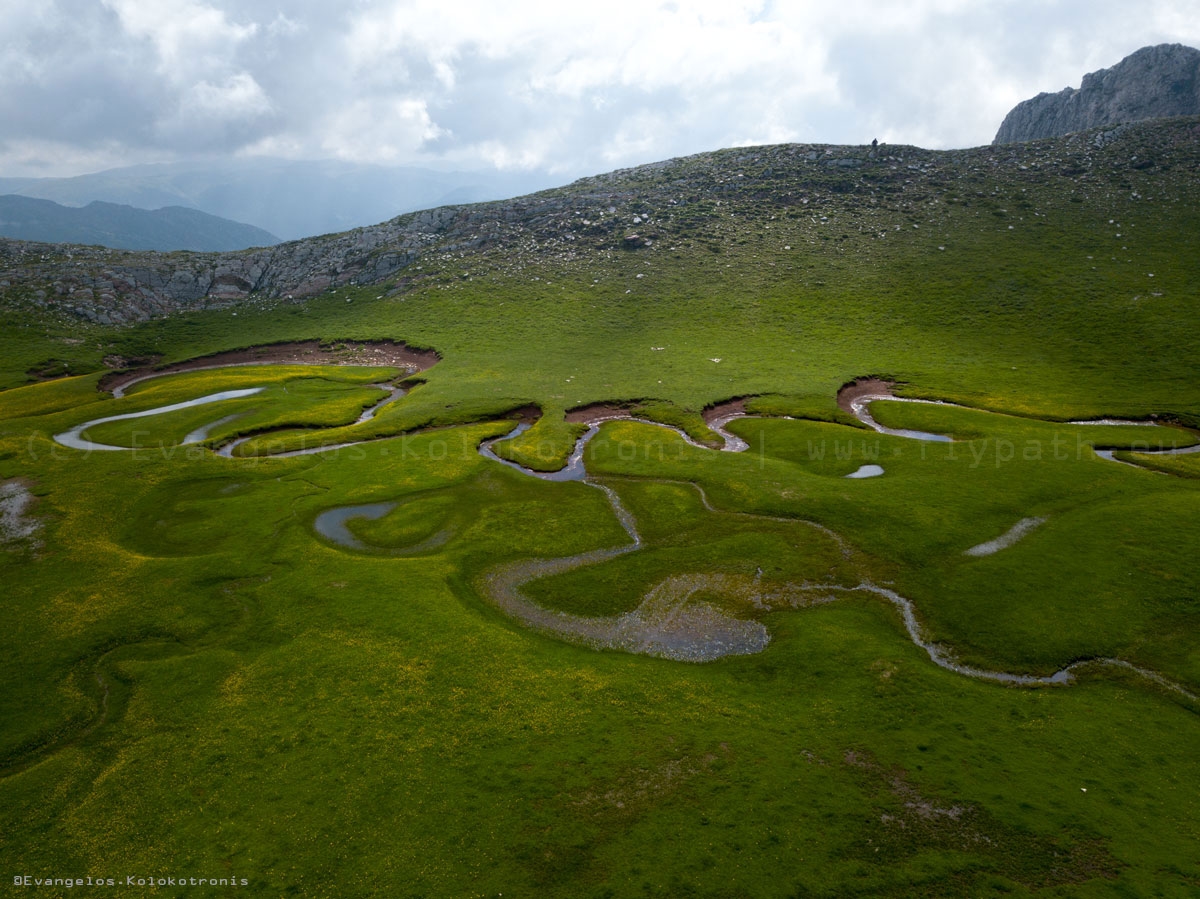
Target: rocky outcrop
(108,286)
(1155,82)
(111,287)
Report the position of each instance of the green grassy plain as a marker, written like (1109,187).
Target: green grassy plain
(197,684)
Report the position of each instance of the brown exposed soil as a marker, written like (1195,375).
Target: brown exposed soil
(528,414)
(717,411)
(860,388)
(594,412)
(307,352)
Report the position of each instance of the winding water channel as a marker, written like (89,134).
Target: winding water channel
(74,438)
(860,407)
(668,622)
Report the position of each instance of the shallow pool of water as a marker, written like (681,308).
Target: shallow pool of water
(331,524)
(867,471)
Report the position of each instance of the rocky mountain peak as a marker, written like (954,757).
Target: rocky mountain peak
(1154,82)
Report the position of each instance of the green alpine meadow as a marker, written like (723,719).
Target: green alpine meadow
(783,521)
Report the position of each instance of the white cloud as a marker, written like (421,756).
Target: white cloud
(389,130)
(35,158)
(573,87)
(187,35)
(211,116)
(283,26)
(238,96)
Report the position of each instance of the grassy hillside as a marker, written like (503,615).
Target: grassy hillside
(1055,277)
(202,683)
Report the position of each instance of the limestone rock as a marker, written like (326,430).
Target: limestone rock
(1155,82)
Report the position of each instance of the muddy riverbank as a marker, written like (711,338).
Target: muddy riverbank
(306,352)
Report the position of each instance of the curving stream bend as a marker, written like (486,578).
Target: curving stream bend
(859,407)
(74,438)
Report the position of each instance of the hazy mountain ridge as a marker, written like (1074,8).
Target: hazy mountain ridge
(124,227)
(845,197)
(293,199)
(1154,82)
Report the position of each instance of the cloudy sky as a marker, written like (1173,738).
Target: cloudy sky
(572,88)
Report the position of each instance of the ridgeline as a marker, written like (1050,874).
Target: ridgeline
(829,201)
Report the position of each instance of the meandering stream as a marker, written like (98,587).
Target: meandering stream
(668,622)
(74,438)
(860,407)
(393,393)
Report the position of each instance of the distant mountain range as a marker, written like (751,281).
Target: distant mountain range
(292,199)
(126,228)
